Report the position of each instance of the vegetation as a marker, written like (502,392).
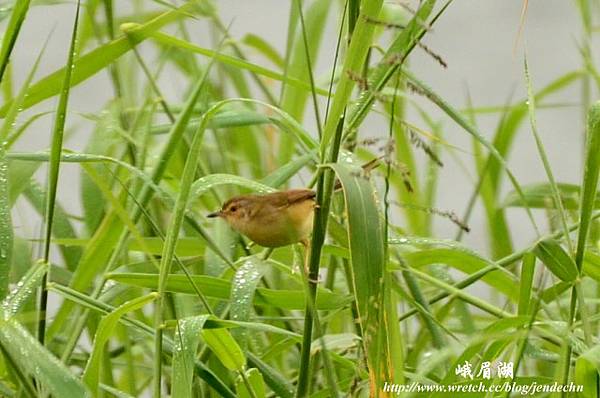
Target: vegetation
(139,293)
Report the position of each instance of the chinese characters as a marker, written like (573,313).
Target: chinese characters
(503,370)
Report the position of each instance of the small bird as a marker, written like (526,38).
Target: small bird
(276,219)
(272,220)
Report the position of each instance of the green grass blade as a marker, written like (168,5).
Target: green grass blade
(175,226)
(394,56)
(169,40)
(526,283)
(213,323)
(187,339)
(6,226)
(589,186)
(542,152)
(367,259)
(202,371)
(590,180)
(459,257)
(12,32)
(266,49)
(17,103)
(503,262)
(110,234)
(37,362)
(243,288)
(540,196)
(360,43)
(586,372)
(54,167)
(294,98)
(557,260)
(91,375)
(255,381)
(475,301)
(204,184)
(275,380)
(24,289)
(96,60)
(20,173)
(221,289)
(225,348)
(288,170)
(57,138)
(507,131)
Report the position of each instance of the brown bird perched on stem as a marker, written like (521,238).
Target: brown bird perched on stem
(275,219)
(272,220)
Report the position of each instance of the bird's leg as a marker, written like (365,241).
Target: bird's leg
(306,244)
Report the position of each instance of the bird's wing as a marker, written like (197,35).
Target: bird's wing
(299,195)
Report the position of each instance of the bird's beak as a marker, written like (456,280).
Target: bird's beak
(215,214)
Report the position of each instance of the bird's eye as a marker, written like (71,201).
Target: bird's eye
(233,209)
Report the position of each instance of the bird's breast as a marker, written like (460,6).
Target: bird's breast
(281,227)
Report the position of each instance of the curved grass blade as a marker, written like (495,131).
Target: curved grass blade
(542,152)
(206,183)
(367,259)
(12,32)
(221,289)
(115,392)
(526,284)
(91,375)
(293,100)
(275,380)
(187,339)
(451,289)
(110,237)
(97,59)
(177,221)
(539,196)
(589,186)
(20,173)
(507,131)
(489,181)
(17,103)
(459,257)
(24,290)
(225,348)
(262,46)
(587,367)
(590,180)
(557,260)
(243,287)
(54,167)
(183,199)
(395,55)
(213,323)
(503,262)
(359,46)
(226,119)
(6,227)
(189,171)
(37,362)
(280,118)
(89,302)
(226,59)
(255,381)
(287,171)
(75,157)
